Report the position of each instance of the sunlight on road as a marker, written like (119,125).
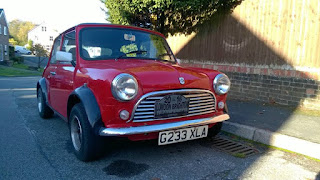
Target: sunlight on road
(28,96)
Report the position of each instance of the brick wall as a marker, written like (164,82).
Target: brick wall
(4,39)
(271,85)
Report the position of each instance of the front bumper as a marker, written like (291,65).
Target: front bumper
(161,127)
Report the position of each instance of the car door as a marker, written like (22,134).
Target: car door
(64,75)
(50,72)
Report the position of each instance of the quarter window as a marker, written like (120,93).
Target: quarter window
(56,47)
(69,44)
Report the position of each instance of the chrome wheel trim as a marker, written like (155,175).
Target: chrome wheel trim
(39,102)
(76,133)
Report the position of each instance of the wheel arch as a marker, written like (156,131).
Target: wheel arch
(43,85)
(85,96)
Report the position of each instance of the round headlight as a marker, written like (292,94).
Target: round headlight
(221,84)
(124,87)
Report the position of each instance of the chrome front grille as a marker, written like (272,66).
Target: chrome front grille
(200,102)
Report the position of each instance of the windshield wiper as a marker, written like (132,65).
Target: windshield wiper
(131,52)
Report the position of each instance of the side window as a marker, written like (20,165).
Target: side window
(69,44)
(56,47)
(5,30)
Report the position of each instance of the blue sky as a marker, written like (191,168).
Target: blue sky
(61,14)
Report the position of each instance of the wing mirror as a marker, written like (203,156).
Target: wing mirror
(63,56)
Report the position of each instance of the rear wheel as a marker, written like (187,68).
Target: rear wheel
(214,130)
(44,110)
(86,145)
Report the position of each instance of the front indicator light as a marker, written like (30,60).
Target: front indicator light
(221,105)
(124,115)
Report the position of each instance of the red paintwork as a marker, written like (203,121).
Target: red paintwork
(151,76)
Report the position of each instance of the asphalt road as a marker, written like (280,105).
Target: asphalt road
(34,148)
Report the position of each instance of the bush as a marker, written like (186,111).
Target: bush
(11,52)
(18,60)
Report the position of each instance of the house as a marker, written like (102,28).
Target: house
(44,35)
(4,38)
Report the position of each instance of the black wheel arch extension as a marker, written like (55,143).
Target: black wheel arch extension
(43,85)
(85,96)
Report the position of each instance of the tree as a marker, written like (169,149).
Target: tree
(19,31)
(167,16)
(30,44)
(39,52)
(13,42)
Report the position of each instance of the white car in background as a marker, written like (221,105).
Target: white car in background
(21,50)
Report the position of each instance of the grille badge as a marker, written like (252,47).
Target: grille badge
(181,79)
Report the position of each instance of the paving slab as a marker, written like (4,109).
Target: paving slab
(276,126)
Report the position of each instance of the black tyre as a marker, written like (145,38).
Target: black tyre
(86,145)
(44,110)
(214,130)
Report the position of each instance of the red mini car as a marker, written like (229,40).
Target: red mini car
(114,80)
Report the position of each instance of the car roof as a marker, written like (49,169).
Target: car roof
(112,25)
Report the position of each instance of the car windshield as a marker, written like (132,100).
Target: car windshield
(114,43)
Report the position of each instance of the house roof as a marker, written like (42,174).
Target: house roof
(39,25)
(2,13)
(35,27)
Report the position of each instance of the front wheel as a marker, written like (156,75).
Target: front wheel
(214,130)
(86,145)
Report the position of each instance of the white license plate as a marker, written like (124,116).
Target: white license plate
(179,135)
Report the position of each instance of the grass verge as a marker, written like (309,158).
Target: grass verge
(17,70)
(21,66)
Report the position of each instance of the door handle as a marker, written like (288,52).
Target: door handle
(52,73)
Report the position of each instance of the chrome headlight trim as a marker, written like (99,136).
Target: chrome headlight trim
(221,84)
(124,87)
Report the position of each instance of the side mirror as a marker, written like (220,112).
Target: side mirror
(178,61)
(63,56)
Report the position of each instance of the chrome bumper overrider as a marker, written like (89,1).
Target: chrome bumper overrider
(161,127)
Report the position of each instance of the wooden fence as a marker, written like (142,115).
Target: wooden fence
(258,32)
